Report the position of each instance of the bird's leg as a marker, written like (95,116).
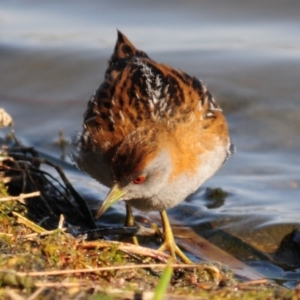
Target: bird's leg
(129,222)
(169,241)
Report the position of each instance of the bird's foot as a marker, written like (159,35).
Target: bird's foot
(174,250)
(169,243)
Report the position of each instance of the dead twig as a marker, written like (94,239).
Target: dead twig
(113,268)
(45,233)
(252,282)
(61,222)
(37,292)
(21,197)
(122,231)
(127,248)
(13,295)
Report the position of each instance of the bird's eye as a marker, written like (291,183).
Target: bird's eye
(140,179)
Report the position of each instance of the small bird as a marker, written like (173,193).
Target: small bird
(152,134)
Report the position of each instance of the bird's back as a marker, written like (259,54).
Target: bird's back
(140,93)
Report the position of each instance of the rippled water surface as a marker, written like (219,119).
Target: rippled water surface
(53,56)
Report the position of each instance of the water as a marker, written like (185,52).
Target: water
(53,55)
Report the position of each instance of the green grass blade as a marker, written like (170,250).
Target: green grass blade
(163,282)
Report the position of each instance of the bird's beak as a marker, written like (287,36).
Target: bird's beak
(113,196)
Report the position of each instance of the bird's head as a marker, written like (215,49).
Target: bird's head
(141,167)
